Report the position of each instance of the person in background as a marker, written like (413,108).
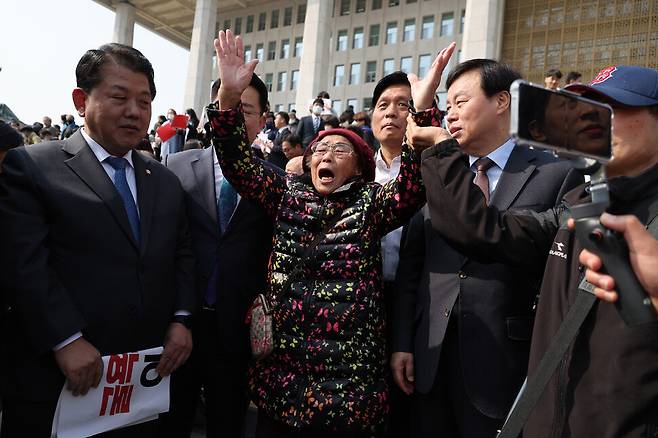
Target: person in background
(192,125)
(30,137)
(292,146)
(573,77)
(9,139)
(310,125)
(362,120)
(176,142)
(293,121)
(552,79)
(330,122)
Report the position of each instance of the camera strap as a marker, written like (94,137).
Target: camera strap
(532,389)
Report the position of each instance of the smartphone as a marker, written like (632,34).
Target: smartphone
(560,121)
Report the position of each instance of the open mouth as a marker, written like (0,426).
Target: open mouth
(454,131)
(325,176)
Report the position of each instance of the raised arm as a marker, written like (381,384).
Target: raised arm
(247,174)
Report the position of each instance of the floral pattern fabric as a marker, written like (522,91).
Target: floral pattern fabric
(329,360)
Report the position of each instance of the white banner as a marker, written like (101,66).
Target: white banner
(130,392)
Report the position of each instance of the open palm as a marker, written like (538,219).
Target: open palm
(234,73)
(423,90)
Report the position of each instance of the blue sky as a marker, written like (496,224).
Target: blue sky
(42,41)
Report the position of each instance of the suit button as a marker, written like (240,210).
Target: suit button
(447,312)
(462,275)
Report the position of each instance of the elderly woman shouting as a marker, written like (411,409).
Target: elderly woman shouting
(326,373)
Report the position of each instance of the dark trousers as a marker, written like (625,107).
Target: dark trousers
(223,377)
(446,410)
(21,418)
(266,427)
(400,404)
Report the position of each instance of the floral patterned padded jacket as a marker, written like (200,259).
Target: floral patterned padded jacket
(328,364)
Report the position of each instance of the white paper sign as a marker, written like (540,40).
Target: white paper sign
(130,392)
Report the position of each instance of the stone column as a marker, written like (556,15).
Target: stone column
(199,68)
(483,29)
(124,23)
(313,68)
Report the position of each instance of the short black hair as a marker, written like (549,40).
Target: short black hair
(88,71)
(332,121)
(285,116)
(260,87)
(573,76)
(395,78)
(319,101)
(293,139)
(324,95)
(553,72)
(494,76)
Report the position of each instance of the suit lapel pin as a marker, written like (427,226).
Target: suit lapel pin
(148,172)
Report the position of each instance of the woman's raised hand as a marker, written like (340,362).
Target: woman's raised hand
(234,73)
(423,90)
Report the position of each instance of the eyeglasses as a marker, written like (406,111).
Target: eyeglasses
(341,150)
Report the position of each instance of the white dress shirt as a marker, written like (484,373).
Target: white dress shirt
(499,156)
(391,242)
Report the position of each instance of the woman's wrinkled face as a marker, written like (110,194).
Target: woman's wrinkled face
(333,162)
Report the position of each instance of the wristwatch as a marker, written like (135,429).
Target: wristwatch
(186,320)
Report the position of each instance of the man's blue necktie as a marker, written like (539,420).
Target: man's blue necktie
(228,199)
(121,183)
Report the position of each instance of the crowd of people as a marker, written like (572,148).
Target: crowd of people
(416,263)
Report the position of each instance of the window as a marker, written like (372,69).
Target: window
(262,18)
(389,67)
(373,37)
(352,103)
(259,52)
(227,25)
(447,24)
(337,106)
(355,73)
(285,49)
(344,7)
(405,64)
(428,28)
(341,41)
(287,16)
(411,1)
(409,30)
(424,62)
(294,80)
(250,23)
(367,103)
(393,2)
(376,4)
(268,81)
(301,13)
(360,6)
(247,53)
(357,41)
(299,45)
(281,81)
(238,25)
(461,21)
(391,32)
(339,75)
(291,106)
(271,50)
(278,107)
(274,19)
(371,71)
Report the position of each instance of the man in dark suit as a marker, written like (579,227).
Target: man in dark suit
(96,249)
(232,240)
(276,155)
(462,328)
(309,126)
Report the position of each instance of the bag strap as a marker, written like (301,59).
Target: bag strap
(532,390)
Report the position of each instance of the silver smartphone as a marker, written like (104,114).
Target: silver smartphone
(560,121)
